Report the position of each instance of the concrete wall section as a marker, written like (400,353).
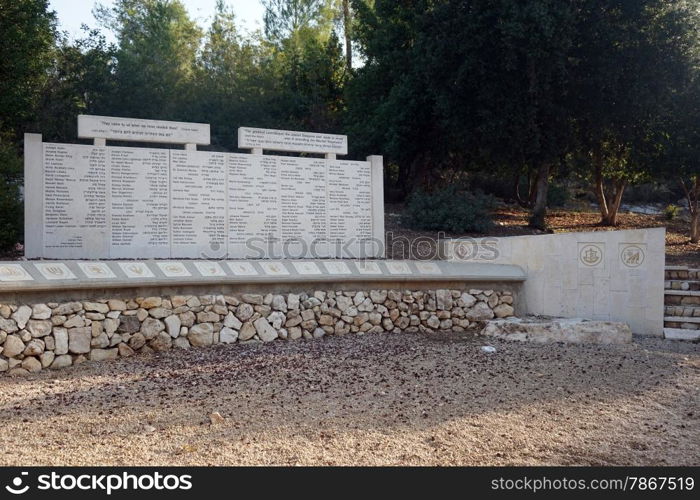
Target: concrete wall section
(33,196)
(603,275)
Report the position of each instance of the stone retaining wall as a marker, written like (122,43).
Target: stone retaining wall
(52,335)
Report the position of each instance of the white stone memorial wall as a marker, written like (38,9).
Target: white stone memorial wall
(98,202)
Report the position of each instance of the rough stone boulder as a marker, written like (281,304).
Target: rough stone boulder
(559,330)
(265,331)
(201,335)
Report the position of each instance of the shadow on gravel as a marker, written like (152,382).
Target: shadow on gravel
(351,382)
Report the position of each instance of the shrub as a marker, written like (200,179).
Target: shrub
(558,195)
(450,210)
(11,208)
(672,211)
(652,192)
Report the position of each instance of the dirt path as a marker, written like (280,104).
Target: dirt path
(372,400)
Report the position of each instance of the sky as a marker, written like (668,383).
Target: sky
(72,13)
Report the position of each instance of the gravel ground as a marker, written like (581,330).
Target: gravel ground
(388,399)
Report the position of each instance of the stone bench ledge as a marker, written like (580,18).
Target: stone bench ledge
(20,276)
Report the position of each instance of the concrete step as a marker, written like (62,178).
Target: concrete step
(682,298)
(682,311)
(681,334)
(682,285)
(681,272)
(681,319)
(685,293)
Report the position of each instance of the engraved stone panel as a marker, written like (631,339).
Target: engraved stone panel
(398,267)
(253,206)
(54,271)
(306,267)
(591,255)
(96,270)
(349,212)
(136,270)
(428,268)
(303,207)
(14,272)
(240,268)
(335,267)
(197,204)
(139,203)
(289,140)
(173,269)
(274,268)
(75,201)
(209,269)
(368,267)
(135,129)
(632,255)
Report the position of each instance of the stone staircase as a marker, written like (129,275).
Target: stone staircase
(682,303)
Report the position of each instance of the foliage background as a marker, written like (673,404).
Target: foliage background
(588,96)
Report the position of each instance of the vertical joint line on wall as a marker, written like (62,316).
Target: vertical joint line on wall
(377,202)
(170,203)
(33,196)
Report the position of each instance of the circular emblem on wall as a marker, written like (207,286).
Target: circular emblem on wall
(591,255)
(632,256)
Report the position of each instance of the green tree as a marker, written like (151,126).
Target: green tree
(630,59)
(347,32)
(156,59)
(455,84)
(288,23)
(500,74)
(311,95)
(390,108)
(27,34)
(80,81)
(307,59)
(680,154)
(235,80)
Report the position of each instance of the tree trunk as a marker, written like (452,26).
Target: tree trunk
(516,190)
(347,21)
(518,196)
(691,196)
(402,185)
(533,190)
(614,206)
(599,187)
(539,210)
